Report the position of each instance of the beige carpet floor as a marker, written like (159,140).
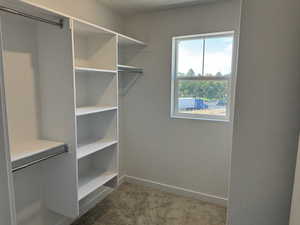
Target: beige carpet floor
(134,204)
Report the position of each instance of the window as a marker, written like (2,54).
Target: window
(202,76)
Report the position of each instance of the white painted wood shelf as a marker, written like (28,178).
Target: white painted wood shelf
(90,147)
(127,68)
(92,180)
(125,41)
(30,151)
(81,111)
(94,70)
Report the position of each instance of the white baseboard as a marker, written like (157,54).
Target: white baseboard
(177,190)
(65,221)
(122,179)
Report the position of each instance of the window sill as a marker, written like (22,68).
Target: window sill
(212,119)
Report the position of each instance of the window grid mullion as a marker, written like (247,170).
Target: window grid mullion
(203,56)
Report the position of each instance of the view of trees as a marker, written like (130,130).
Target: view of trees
(191,73)
(206,90)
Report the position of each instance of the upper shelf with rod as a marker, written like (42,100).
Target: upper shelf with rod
(20,8)
(28,150)
(124,40)
(35,151)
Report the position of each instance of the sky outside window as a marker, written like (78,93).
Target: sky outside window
(189,56)
(217,56)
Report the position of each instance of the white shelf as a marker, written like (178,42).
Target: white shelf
(89,147)
(95,70)
(125,41)
(81,111)
(85,28)
(92,180)
(127,68)
(30,151)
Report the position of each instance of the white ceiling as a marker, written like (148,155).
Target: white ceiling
(134,6)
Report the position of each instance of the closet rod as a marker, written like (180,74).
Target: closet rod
(19,13)
(40,160)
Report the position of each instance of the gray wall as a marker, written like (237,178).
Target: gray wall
(186,153)
(267,113)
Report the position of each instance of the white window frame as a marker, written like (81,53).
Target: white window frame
(231,86)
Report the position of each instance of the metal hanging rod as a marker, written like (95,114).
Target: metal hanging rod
(131,71)
(19,13)
(64,149)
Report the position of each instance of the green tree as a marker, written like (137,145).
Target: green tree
(191,73)
(206,90)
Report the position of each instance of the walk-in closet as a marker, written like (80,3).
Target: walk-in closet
(142,112)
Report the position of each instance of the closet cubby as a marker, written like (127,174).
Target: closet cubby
(95,92)
(97,170)
(94,48)
(128,49)
(37,67)
(22,89)
(95,132)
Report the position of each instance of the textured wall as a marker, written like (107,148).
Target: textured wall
(267,113)
(191,154)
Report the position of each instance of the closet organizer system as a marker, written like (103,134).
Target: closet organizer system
(59,112)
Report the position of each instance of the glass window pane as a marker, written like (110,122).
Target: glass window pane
(218,56)
(203,97)
(189,57)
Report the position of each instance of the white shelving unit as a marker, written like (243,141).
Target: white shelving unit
(96,107)
(62,96)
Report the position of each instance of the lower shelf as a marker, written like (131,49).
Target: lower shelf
(93,199)
(92,180)
(33,151)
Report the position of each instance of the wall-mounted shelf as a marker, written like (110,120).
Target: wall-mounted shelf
(81,111)
(94,70)
(125,41)
(26,154)
(129,50)
(89,147)
(85,28)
